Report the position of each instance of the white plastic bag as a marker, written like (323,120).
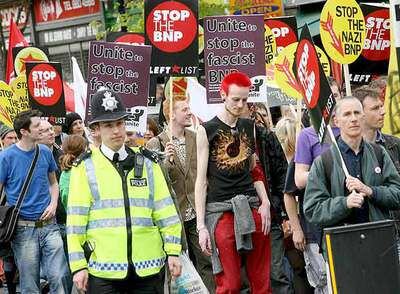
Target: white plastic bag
(189,281)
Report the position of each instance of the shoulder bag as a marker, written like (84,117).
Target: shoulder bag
(9,213)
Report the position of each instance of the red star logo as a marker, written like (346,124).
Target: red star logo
(176,69)
(26,59)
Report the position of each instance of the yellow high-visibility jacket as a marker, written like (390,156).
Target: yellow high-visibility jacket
(125,219)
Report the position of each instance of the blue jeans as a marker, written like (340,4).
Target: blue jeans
(35,247)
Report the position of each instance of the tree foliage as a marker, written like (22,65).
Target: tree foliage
(133,18)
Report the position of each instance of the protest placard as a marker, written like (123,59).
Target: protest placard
(7,112)
(126,38)
(392,93)
(22,55)
(171,27)
(276,97)
(342,28)
(313,84)
(284,29)
(268,8)
(125,70)
(152,101)
(374,58)
(234,43)
(280,33)
(284,75)
(20,89)
(45,89)
(270,45)
(395,18)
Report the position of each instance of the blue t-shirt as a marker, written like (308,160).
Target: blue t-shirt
(14,166)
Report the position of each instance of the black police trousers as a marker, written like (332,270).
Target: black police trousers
(133,284)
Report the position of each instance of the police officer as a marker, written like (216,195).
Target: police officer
(120,211)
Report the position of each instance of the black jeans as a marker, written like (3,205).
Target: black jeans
(133,284)
(201,262)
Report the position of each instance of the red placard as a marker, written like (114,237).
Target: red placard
(284,30)
(51,10)
(377,40)
(308,72)
(171,26)
(45,84)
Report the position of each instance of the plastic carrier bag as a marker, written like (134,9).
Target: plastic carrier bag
(189,281)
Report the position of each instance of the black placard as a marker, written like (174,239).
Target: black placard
(171,27)
(45,89)
(313,83)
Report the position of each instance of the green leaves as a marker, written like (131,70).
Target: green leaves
(133,18)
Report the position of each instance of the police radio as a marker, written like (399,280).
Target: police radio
(139,163)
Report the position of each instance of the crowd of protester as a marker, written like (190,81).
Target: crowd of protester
(246,199)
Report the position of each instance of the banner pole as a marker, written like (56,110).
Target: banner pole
(271,125)
(347,79)
(334,142)
(171,108)
(298,118)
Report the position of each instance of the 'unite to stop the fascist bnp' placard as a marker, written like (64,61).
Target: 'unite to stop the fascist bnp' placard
(234,43)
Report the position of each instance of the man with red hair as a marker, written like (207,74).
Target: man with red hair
(233,214)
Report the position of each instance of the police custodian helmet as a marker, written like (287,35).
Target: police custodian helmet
(106,105)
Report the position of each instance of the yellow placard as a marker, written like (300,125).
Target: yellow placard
(270,45)
(201,39)
(21,99)
(323,59)
(269,8)
(342,28)
(284,76)
(6,107)
(270,75)
(392,95)
(28,54)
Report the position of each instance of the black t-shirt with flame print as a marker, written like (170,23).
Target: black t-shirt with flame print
(230,152)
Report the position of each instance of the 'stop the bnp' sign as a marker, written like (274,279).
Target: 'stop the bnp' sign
(171,28)
(342,28)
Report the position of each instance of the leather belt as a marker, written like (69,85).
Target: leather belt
(35,224)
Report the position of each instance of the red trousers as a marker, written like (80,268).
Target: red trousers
(258,260)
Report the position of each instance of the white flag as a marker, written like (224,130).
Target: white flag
(80,89)
(198,101)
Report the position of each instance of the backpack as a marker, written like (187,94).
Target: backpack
(327,162)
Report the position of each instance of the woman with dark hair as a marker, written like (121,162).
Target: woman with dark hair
(73,146)
(74,124)
(151,129)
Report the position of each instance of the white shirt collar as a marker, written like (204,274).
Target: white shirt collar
(110,153)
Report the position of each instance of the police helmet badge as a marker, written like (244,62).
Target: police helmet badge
(109,102)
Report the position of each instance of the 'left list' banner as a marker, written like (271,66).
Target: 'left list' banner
(124,69)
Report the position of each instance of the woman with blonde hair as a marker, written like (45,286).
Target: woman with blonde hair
(73,146)
(285,130)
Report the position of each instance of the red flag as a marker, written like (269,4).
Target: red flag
(337,73)
(69,98)
(16,39)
